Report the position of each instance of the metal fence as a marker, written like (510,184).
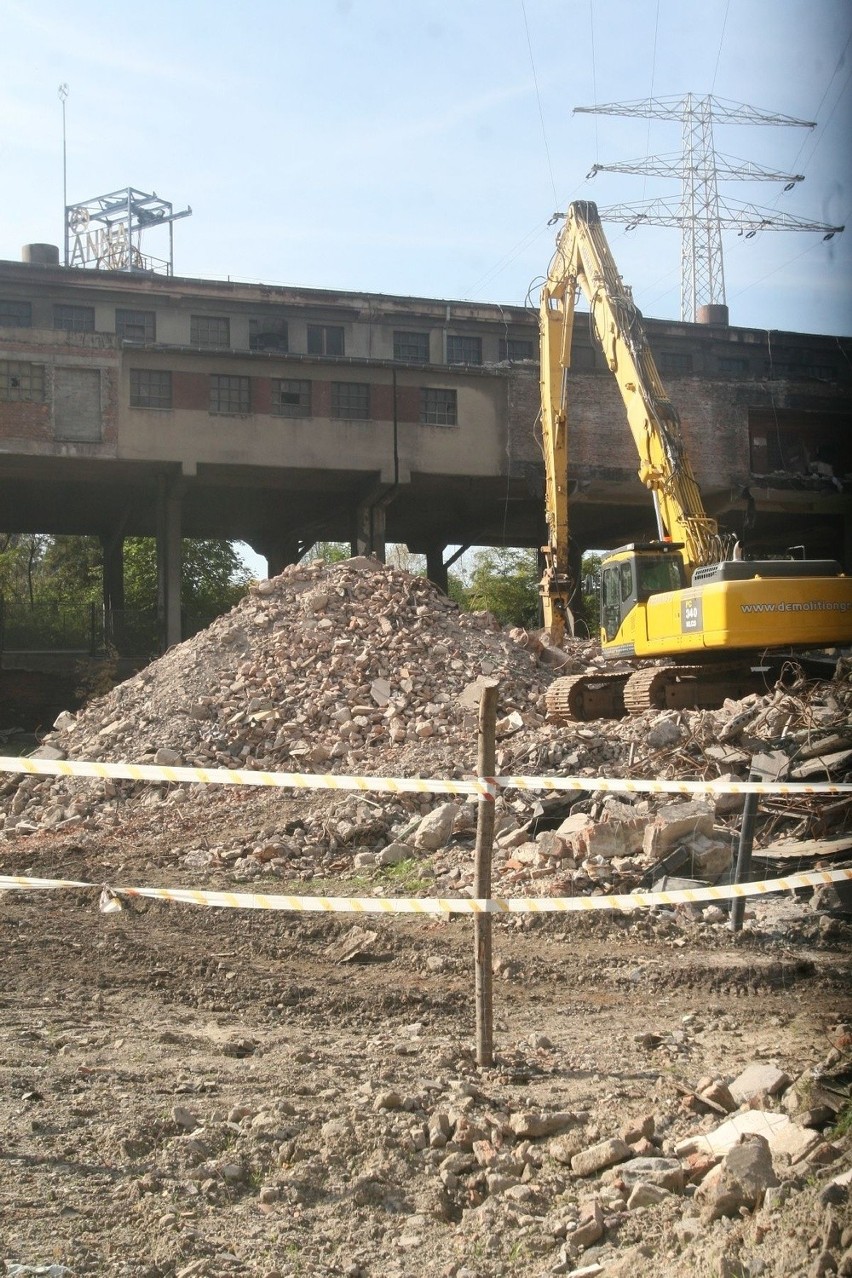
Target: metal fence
(87,629)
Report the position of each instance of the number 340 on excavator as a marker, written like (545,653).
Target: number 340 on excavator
(687,596)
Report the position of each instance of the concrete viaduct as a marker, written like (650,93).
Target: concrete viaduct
(143,405)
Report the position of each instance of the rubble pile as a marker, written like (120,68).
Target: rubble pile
(361,669)
(454,1152)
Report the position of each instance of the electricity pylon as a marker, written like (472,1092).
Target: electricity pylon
(702,213)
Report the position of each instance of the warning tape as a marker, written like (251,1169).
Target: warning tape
(110,897)
(638,786)
(483,787)
(243,776)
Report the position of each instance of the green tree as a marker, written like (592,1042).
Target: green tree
(20,560)
(213,577)
(589,610)
(332,552)
(71,570)
(505,583)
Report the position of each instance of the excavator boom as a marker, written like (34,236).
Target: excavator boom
(685,595)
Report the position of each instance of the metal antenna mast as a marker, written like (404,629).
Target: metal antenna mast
(62,94)
(702,213)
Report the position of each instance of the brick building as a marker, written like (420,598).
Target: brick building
(137,404)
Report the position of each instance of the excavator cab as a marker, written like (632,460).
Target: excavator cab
(633,573)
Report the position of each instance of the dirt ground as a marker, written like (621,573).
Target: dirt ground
(190,1091)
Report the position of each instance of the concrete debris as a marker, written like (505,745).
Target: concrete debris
(758,1080)
(361,669)
(740,1181)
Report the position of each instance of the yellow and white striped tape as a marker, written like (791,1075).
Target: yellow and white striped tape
(626,785)
(482,787)
(242,776)
(434,905)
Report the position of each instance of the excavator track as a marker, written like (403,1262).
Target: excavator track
(614,695)
(581,698)
(695,687)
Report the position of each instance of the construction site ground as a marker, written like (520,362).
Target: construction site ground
(110,1022)
(193,1092)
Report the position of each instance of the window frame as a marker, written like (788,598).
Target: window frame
(506,352)
(439,406)
(318,340)
(272,322)
(200,332)
(676,363)
(468,344)
(139,399)
(144,320)
(341,411)
(733,365)
(222,401)
(26,309)
(419,352)
(292,408)
(73,313)
(12,374)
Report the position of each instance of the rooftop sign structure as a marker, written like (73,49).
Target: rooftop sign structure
(105,233)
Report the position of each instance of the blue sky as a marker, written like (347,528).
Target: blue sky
(420,148)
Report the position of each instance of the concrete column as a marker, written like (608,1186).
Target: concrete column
(436,569)
(369,538)
(112,581)
(279,552)
(112,549)
(169,562)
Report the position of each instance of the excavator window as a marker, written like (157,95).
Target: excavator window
(610,601)
(662,572)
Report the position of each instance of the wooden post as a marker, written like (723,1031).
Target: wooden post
(486,763)
(743,868)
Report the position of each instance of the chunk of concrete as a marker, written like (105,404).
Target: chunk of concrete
(782,1135)
(674,823)
(740,1181)
(598,1157)
(759,1080)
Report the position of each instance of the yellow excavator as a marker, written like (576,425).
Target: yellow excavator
(688,596)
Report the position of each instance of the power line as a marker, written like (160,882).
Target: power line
(701,212)
(721,42)
(538,99)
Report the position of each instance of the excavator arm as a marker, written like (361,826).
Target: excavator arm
(583,262)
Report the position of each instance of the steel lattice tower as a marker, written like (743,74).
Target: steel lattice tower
(702,213)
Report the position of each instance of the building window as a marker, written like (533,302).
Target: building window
(16,314)
(150,388)
(797,372)
(517,348)
(350,399)
(675,362)
(230,394)
(20,382)
(136,326)
(464,350)
(438,407)
(413,348)
(291,398)
(210,330)
(733,364)
(583,359)
(74,319)
(325,339)
(268,334)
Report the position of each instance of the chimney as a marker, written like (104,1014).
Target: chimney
(40,254)
(713,313)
